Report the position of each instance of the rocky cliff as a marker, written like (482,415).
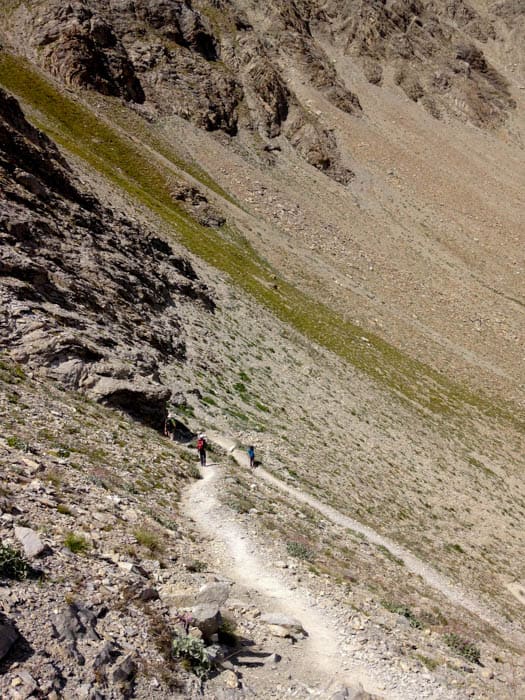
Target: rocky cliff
(89,296)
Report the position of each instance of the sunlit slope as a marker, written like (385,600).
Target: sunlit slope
(137,166)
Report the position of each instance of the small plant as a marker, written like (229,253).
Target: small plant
(454,548)
(17,443)
(463,647)
(63,509)
(404,612)
(12,564)
(63,452)
(194,472)
(430,663)
(192,653)
(300,551)
(147,539)
(54,478)
(76,543)
(390,556)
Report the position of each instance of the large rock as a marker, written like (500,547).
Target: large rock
(30,540)
(283,625)
(355,693)
(80,318)
(175,596)
(76,44)
(318,147)
(214,594)
(207,618)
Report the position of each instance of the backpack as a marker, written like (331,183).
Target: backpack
(200,444)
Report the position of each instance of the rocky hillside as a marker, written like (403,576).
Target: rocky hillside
(299,225)
(68,311)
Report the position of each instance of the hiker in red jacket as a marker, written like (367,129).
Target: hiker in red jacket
(201,448)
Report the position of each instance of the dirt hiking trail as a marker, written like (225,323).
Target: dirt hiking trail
(329,658)
(454,593)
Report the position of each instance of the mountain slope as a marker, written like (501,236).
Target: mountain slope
(280,221)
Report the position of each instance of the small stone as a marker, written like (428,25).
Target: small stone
(274,658)
(229,679)
(148,594)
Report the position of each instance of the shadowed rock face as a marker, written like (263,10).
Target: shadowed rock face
(81,48)
(88,295)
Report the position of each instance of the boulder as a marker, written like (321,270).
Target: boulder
(214,593)
(30,541)
(176,596)
(125,672)
(283,626)
(207,618)
(356,693)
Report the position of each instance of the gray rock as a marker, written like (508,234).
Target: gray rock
(213,593)
(147,594)
(357,693)
(27,686)
(207,618)
(106,655)
(31,542)
(73,623)
(290,624)
(125,672)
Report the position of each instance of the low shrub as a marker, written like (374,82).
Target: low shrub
(192,653)
(147,539)
(12,564)
(300,551)
(463,647)
(404,612)
(76,543)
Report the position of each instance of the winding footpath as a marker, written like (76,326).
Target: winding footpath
(454,593)
(331,656)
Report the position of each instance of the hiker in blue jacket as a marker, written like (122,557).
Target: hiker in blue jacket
(251,455)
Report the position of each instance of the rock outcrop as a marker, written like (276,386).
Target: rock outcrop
(432,48)
(78,46)
(78,280)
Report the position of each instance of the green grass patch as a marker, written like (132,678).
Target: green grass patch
(300,551)
(77,544)
(463,647)
(64,510)
(17,443)
(148,539)
(404,611)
